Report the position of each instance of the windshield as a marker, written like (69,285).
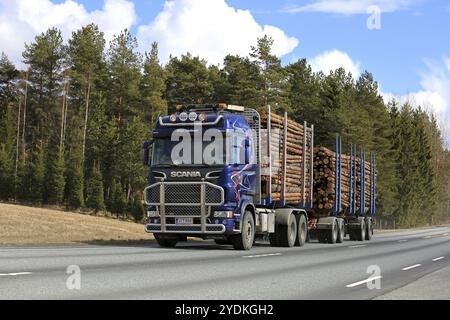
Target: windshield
(168,153)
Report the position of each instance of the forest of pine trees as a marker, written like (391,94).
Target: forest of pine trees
(72,122)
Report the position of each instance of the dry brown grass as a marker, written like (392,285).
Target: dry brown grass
(20,225)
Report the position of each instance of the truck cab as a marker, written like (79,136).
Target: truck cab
(204,176)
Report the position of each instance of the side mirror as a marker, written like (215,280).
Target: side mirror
(247,151)
(146,152)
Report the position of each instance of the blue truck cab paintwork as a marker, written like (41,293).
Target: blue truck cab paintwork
(237,179)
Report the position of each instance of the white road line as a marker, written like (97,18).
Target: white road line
(403,240)
(363,281)
(263,255)
(437,259)
(428,237)
(358,246)
(15,274)
(411,267)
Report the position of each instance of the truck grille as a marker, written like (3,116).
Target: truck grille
(184,193)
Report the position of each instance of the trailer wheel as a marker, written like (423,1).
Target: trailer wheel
(302,232)
(341,231)
(288,234)
(166,242)
(361,231)
(369,229)
(333,232)
(244,240)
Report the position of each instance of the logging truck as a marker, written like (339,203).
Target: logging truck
(233,174)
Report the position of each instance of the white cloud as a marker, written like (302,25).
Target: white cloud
(332,60)
(22,20)
(210,29)
(349,7)
(435,94)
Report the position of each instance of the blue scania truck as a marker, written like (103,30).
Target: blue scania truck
(211,173)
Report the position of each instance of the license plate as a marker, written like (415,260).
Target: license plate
(184,221)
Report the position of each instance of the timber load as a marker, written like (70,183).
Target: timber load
(291,151)
(326,180)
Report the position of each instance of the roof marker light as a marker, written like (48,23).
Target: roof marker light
(193,116)
(202,117)
(183,116)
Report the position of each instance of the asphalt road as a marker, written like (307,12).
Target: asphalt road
(412,264)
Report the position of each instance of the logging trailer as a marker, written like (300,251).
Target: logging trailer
(231,174)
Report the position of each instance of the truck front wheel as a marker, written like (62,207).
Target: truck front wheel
(166,242)
(244,240)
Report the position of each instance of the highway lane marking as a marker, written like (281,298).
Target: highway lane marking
(363,281)
(403,240)
(411,267)
(16,274)
(437,259)
(358,246)
(263,255)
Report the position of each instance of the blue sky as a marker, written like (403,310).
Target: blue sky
(409,55)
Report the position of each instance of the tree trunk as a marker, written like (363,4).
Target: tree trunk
(88,94)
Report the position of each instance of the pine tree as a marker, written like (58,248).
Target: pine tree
(6,174)
(94,191)
(87,68)
(187,81)
(240,83)
(137,208)
(124,65)
(75,180)
(274,87)
(46,58)
(55,180)
(35,175)
(153,87)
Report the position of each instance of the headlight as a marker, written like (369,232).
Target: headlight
(223,214)
(173,118)
(152,214)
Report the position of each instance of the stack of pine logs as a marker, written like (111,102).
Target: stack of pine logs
(294,160)
(325,180)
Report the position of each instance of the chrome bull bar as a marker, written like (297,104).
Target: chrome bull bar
(203,203)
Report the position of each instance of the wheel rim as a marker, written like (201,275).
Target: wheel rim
(249,233)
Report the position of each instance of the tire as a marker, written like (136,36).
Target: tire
(369,229)
(166,242)
(302,231)
(341,231)
(361,231)
(333,232)
(322,236)
(244,240)
(288,234)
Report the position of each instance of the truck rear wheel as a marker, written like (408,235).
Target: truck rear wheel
(288,234)
(341,231)
(244,240)
(369,229)
(166,242)
(302,232)
(333,232)
(361,231)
